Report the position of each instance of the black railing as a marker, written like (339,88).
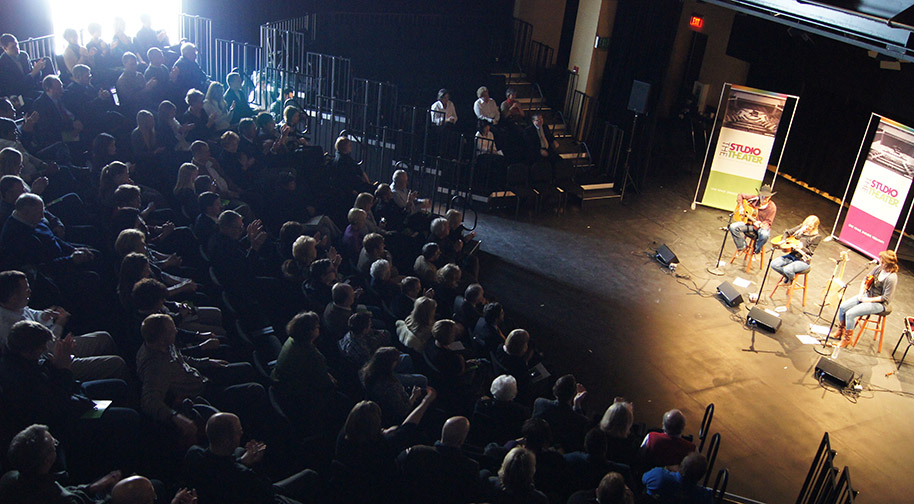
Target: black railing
(231,55)
(199,31)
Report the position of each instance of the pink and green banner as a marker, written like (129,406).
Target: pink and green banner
(882,188)
(746,129)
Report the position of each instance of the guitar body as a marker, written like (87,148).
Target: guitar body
(788,244)
(746,212)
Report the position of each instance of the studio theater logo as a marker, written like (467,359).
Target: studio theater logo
(882,192)
(741,152)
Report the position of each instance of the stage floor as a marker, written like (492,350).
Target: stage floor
(598,305)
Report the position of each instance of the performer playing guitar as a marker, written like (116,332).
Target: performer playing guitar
(756,214)
(876,291)
(800,242)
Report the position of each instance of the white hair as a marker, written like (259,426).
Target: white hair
(504,388)
(380,269)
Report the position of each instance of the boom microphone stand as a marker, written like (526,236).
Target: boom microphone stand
(761,288)
(715,270)
(843,291)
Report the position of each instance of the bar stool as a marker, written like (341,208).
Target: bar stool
(879,330)
(906,334)
(795,285)
(749,254)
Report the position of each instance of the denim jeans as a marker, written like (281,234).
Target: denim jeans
(738,231)
(853,308)
(789,266)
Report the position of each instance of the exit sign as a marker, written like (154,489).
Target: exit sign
(696,22)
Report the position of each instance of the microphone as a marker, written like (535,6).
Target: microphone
(874,261)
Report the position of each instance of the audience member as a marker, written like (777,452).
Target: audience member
(485,108)
(499,418)
(682,486)
(426,470)
(621,443)
(514,484)
(416,330)
(388,388)
(565,414)
(17,75)
(666,448)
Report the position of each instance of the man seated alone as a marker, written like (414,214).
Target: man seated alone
(666,448)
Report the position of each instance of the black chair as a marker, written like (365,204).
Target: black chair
(905,335)
(517,181)
(541,181)
(564,180)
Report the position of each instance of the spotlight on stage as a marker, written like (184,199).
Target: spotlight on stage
(165,15)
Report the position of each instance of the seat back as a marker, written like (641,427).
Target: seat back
(541,172)
(517,176)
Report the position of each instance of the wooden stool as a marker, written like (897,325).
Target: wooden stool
(749,254)
(795,285)
(879,330)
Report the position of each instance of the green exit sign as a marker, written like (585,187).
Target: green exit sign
(601,43)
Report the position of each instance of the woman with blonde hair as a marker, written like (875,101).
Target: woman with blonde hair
(515,479)
(216,108)
(805,238)
(617,421)
(416,331)
(876,292)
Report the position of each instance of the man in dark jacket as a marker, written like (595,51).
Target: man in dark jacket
(17,75)
(429,469)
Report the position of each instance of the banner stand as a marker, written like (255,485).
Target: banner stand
(847,189)
(704,163)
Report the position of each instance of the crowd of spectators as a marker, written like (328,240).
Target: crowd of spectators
(186,297)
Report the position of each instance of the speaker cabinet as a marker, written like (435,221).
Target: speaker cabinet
(639,97)
(666,256)
(729,293)
(831,371)
(761,318)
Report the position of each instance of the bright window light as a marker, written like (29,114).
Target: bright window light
(77,14)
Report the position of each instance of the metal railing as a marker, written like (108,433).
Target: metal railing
(306,24)
(823,484)
(380,97)
(334,73)
(579,115)
(284,49)
(199,31)
(231,55)
(40,47)
(522,37)
(271,81)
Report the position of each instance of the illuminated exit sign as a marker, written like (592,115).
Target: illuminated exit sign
(696,22)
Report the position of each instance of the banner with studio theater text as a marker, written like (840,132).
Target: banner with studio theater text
(882,188)
(747,125)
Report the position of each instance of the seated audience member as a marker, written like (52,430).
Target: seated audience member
(367,451)
(145,148)
(249,144)
(565,413)
(348,178)
(185,196)
(159,77)
(611,490)
(410,290)
(389,388)
(318,287)
(667,448)
(485,140)
(88,103)
(586,468)
(305,386)
(55,123)
(121,42)
(372,250)
(468,307)
(32,167)
(485,108)
(43,390)
(190,75)
(75,54)
(427,470)
(510,108)
(195,323)
(621,442)
(551,468)
(216,108)
(32,455)
(513,356)
(361,341)
(515,481)
(387,209)
(172,134)
(446,291)
(454,373)
(354,234)
(228,473)
(541,145)
(294,127)
(94,354)
(101,63)
(416,330)
(238,264)
(303,250)
(682,486)
(235,99)
(17,75)
(139,490)
(443,111)
(206,223)
(200,125)
(365,201)
(286,99)
(132,88)
(487,335)
(406,199)
(498,418)
(335,320)
(135,267)
(424,267)
(169,377)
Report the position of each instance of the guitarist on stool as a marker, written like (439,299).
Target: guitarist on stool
(756,213)
(801,241)
(876,291)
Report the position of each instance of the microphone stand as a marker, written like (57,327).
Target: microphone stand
(834,273)
(715,270)
(761,288)
(840,300)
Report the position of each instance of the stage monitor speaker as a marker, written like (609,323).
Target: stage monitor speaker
(761,318)
(666,256)
(730,294)
(637,100)
(827,369)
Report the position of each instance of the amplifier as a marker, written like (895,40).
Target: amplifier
(761,318)
(827,369)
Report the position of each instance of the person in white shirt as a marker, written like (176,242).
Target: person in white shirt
(485,140)
(485,107)
(443,111)
(214,103)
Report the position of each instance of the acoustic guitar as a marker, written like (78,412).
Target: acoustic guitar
(789,244)
(746,212)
